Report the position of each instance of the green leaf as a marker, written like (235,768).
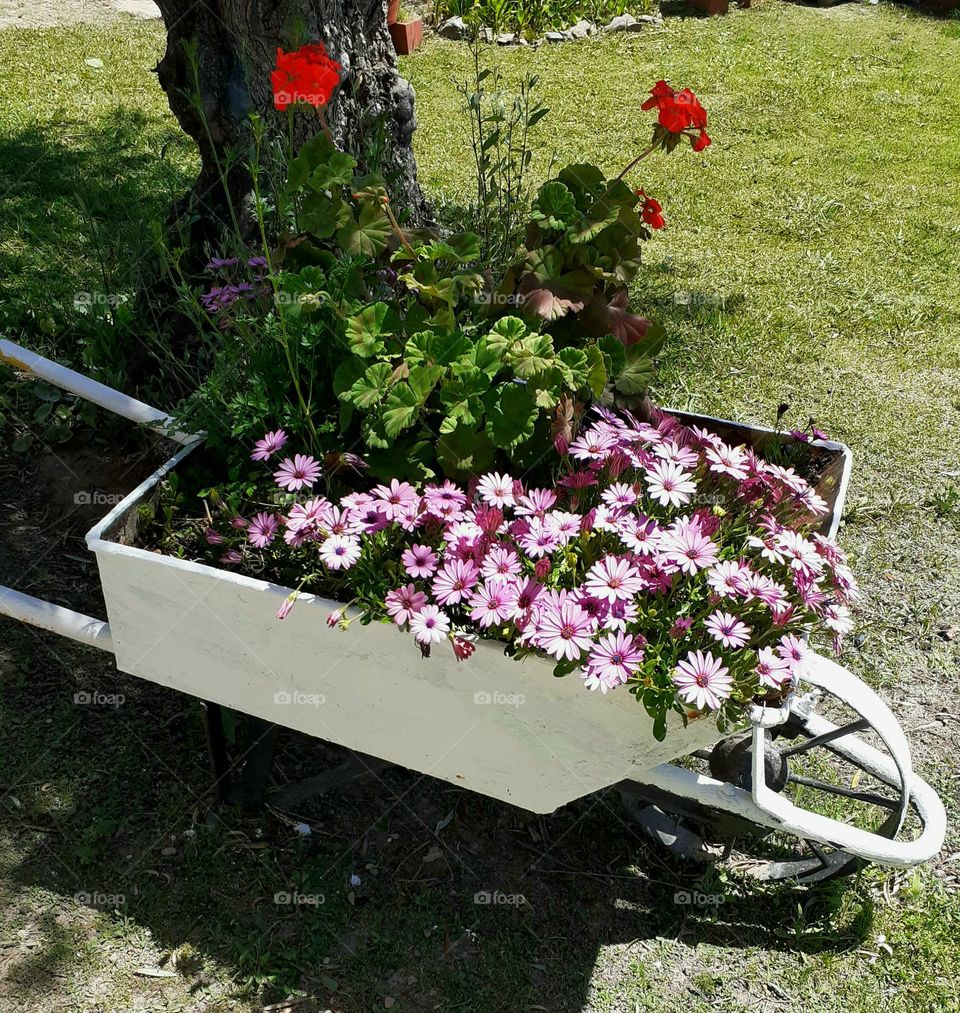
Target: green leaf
(586,182)
(486,357)
(313,153)
(336,171)
(368,234)
(465,451)
(531,355)
(466,245)
(573,364)
(554,207)
(596,370)
(637,373)
(365,330)
(428,347)
(403,407)
(372,387)
(613,350)
(511,415)
(462,396)
(602,214)
(505,333)
(347,374)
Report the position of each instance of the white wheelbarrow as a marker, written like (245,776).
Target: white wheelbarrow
(511,731)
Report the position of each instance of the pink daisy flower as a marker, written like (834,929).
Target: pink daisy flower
(262,530)
(702,680)
(564,630)
(337,521)
(728,629)
(613,578)
(404,602)
(496,489)
(536,502)
(500,564)
(419,561)
(837,618)
(429,625)
(641,534)
(687,546)
(684,457)
(397,498)
(296,473)
(455,581)
(563,524)
(669,484)
(612,661)
(728,578)
(340,552)
(539,540)
(592,445)
(726,460)
(620,494)
(794,652)
(772,670)
(264,449)
(527,594)
(495,602)
(619,614)
(445,500)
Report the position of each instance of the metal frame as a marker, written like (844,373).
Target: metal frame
(761,805)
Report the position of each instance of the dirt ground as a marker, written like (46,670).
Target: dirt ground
(43,13)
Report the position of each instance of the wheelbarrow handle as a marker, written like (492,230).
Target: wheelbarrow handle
(47,616)
(90,390)
(35,611)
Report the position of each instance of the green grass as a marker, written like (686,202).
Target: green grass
(810,257)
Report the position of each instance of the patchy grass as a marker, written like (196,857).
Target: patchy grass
(810,258)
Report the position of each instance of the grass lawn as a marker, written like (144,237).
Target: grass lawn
(810,258)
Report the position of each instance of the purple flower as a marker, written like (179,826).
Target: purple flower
(264,449)
(296,473)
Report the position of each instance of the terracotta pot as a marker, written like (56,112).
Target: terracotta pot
(393,11)
(710,6)
(407,36)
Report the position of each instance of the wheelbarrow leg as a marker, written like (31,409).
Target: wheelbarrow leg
(258,764)
(257,759)
(217,749)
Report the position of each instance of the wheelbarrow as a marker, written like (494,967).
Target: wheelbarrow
(819,795)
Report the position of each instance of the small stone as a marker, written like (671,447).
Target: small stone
(554,36)
(580,30)
(621,23)
(94,62)
(453,28)
(486,35)
(506,39)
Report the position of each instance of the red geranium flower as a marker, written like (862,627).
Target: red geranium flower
(305,75)
(651,212)
(679,111)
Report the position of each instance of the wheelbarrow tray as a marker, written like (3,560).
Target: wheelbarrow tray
(506,729)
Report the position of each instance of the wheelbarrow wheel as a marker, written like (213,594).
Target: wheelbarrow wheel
(816,763)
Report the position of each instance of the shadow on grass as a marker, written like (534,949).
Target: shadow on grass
(406,887)
(79,204)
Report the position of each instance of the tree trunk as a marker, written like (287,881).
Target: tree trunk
(236,46)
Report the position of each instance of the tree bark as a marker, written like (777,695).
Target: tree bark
(236,45)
